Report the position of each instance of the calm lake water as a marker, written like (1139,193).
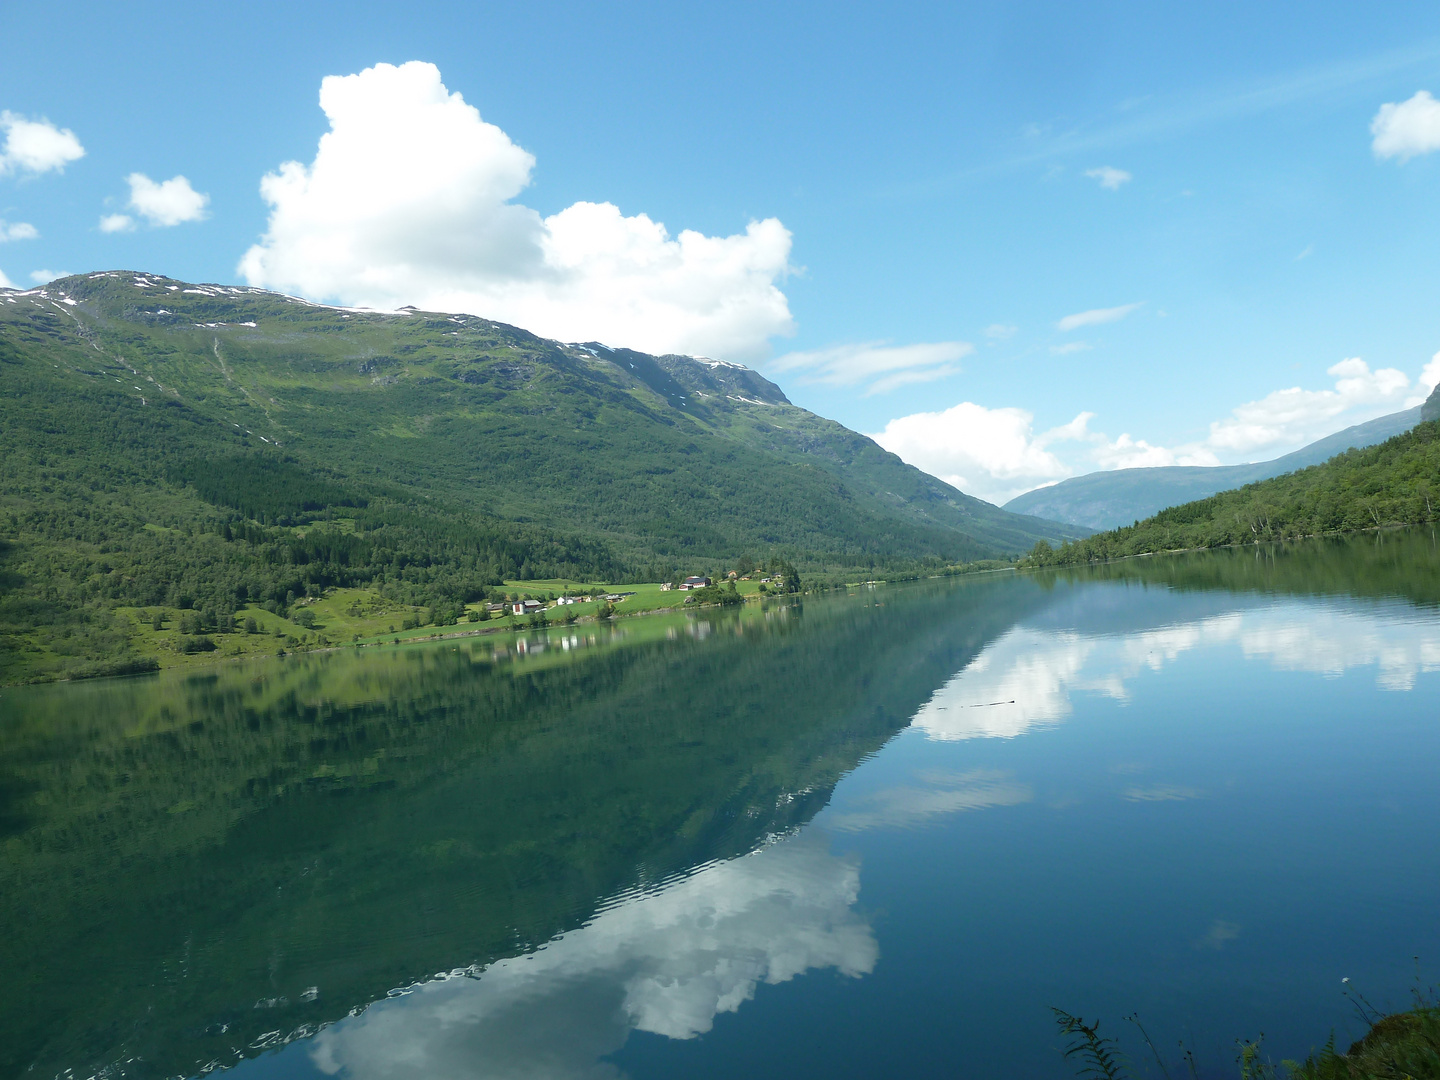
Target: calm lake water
(866,835)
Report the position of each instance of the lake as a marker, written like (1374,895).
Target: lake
(869,834)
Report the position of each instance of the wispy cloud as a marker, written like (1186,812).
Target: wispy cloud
(1000,331)
(1096,316)
(1155,116)
(907,378)
(1071,347)
(1110,178)
(878,363)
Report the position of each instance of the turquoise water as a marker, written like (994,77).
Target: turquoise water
(874,834)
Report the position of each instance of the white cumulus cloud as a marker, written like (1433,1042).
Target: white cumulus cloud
(1407,129)
(1110,178)
(5,282)
(1295,415)
(113,223)
(36,146)
(1096,316)
(409,201)
(996,454)
(1425,383)
(882,365)
(17,230)
(43,277)
(991,453)
(163,203)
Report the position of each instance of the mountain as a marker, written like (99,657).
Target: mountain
(207,446)
(1394,483)
(1431,409)
(1107,500)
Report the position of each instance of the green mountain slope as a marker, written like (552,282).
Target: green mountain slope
(1107,500)
(171,444)
(744,406)
(1394,483)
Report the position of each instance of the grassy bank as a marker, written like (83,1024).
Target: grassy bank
(1398,1046)
(168,638)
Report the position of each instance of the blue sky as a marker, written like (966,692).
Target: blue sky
(930,192)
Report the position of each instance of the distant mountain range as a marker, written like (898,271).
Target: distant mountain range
(1108,500)
(1393,483)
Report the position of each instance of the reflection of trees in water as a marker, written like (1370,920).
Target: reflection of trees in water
(1402,563)
(192,846)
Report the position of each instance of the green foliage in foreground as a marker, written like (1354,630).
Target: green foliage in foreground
(1394,483)
(1401,1046)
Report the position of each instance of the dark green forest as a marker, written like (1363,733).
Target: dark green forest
(1394,483)
(178,447)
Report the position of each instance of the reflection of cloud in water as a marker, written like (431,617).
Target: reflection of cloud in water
(1161,793)
(665,962)
(947,793)
(1331,642)
(1219,934)
(1025,678)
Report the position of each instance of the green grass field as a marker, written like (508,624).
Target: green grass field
(344,617)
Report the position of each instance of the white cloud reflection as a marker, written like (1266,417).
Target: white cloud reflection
(666,962)
(1027,678)
(938,793)
(1331,643)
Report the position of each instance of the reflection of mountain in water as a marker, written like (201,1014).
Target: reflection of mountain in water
(196,867)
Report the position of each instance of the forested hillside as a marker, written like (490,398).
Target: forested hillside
(205,447)
(1395,483)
